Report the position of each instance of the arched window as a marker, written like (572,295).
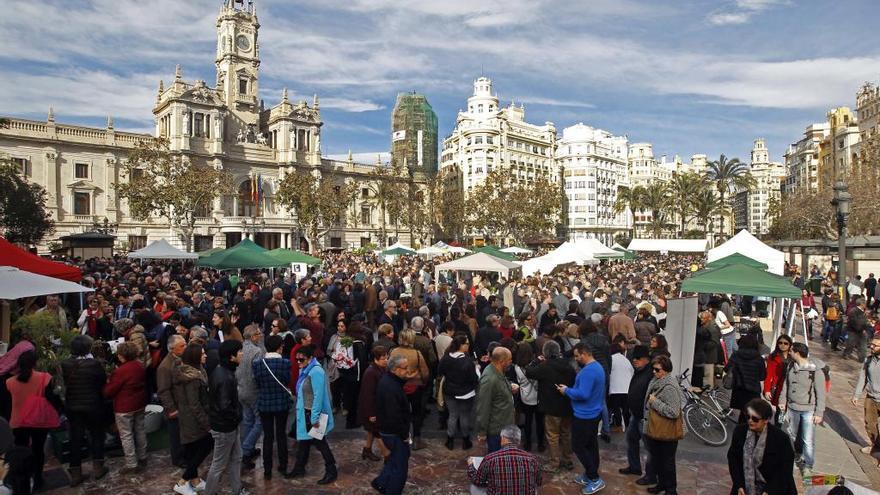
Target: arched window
(245,200)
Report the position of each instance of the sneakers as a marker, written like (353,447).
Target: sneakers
(593,486)
(184,488)
(200,487)
(581,480)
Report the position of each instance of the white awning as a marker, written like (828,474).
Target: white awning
(746,244)
(669,245)
(16,284)
(162,250)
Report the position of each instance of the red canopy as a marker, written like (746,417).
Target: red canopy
(12,255)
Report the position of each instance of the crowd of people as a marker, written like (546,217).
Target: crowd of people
(246,365)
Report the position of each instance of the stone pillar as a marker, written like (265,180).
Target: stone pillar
(110,178)
(54,204)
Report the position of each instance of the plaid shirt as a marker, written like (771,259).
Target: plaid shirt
(272,397)
(509,471)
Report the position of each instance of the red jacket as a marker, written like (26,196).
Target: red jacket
(775,376)
(127,387)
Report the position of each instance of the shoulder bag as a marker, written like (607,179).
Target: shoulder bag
(277,380)
(664,429)
(38,412)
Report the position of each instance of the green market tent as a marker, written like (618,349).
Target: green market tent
(742,280)
(289,256)
(494,251)
(398,251)
(737,259)
(243,255)
(209,252)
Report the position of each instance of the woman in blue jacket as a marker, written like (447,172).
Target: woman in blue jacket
(312,400)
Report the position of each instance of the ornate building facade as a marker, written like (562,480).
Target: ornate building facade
(593,165)
(224,125)
(751,207)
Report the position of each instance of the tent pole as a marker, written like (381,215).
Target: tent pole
(804,321)
(791,307)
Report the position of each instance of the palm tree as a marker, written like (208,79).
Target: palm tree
(629,198)
(706,205)
(656,199)
(683,188)
(728,175)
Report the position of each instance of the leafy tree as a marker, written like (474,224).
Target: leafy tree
(23,215)
(384,186)
(319,202)
(503,208)
(728,175)
(171,186)
(683,189)
(448,207)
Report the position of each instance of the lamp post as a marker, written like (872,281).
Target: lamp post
(841,202)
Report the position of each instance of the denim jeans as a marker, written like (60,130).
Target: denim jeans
(227,458)
(606,418)
(250,428)
(392,479)
(800,428)
(729,343)
(493,443)
(460,412)
(634,435)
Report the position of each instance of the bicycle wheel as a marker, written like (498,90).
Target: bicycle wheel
(705,424)
(719,404)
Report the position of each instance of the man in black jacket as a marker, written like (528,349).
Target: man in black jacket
(552,370)
(84,405)
(857,328)
(394,418)
(224,411)
(635,399)
(487,335)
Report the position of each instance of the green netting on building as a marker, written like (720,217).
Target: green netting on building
(414,133)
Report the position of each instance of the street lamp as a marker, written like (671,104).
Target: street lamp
(841,202)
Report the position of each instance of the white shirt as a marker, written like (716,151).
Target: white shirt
(621,374)
(723,324)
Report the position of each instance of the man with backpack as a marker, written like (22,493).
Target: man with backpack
(833,321)
(803,399)
(857,329)
(869,381)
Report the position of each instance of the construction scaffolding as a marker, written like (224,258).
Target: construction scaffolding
(414,133)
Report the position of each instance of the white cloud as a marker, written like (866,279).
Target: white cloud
(538,100)
(365,157)
(743,11)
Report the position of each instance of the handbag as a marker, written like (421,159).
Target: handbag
(664,429)
(413,384)
(38,412)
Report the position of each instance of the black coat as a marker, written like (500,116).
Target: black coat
(83,381)
(461,375)
(749,369)
(776,467)
(392,406)
(601,347)
(548,374)
(638,389)
(224,409)
(485,336)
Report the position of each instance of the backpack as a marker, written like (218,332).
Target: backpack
(832,313)
(826,370)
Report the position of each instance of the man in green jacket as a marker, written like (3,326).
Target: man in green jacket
(495,400)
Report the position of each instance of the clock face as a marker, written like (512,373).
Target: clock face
(243,43)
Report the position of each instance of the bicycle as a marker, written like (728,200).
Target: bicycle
(701,419)
(719,400)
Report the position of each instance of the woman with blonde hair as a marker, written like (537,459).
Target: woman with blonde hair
(417,374)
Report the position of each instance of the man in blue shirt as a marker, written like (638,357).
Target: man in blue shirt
(587,397)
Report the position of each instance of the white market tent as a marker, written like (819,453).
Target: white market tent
(746,244)
(458,250)
(670,245)
(578,252)
(516,250)
(399,245)
(16,284)
(162,250)
(478,262)
(431,251)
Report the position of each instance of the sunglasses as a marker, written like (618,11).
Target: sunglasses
(782,342)
(657,370)
(300,360)
(755,419)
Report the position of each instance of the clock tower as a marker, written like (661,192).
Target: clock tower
(238,63)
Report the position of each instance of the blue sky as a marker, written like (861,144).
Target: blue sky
(690,76)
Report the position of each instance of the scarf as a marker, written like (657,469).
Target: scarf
(305,373)
(753,455)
